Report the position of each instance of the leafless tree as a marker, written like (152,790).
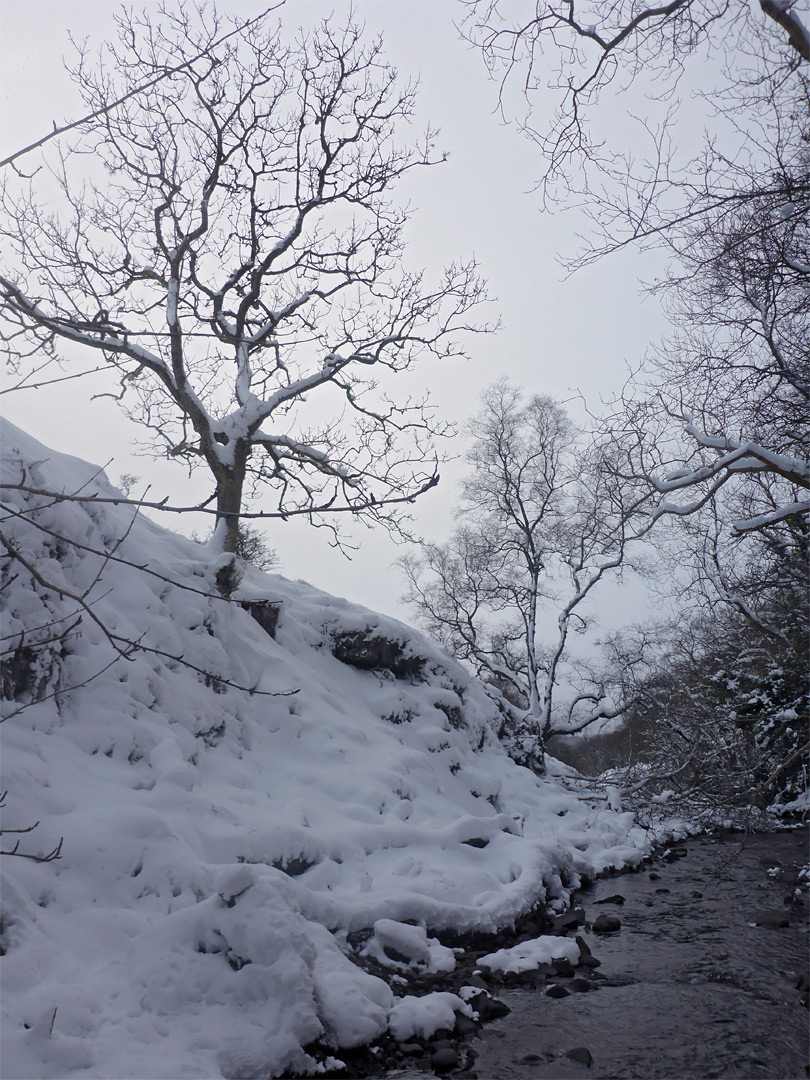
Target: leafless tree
(543,523)
(58,130)
(722,406)
(570,58)
(240,265)
(732,213)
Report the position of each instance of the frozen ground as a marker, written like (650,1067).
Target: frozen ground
(221,846)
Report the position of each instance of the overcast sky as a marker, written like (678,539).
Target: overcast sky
(558,336)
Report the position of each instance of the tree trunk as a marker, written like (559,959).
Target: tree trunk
(230,484)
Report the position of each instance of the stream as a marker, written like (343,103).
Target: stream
(701,980)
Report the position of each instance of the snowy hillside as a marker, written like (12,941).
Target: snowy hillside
(221,846)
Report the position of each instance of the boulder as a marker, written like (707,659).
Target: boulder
(607,924)
(581,1054)
(444,1060)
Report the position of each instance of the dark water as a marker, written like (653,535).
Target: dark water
(692,988)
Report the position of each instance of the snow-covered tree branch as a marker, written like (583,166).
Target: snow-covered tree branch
(241,265)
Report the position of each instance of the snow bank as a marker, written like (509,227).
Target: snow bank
(221,845)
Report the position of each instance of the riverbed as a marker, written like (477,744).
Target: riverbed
(702,979)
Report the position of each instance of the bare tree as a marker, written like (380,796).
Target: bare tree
(571,57)
(544,523)
(57,130)
(722,406)
(240,265)
(732,212)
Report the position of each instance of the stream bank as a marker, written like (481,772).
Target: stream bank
(704,977)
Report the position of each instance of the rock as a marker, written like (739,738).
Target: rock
(412,1049)
(696,895)
(465,1026)
(584,950)
(487,1007)
(444,1060)
(589,962)
(607,924)
(671,854)
(564,967)
(580,986)
(570,919)
(530,1059)
(371,651)
(556,991)
(617,898)
(662,890)
(773,919)
(265,612)
(654,876)
(804,982)
(581,1054)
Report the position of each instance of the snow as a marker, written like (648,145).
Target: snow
(422,1017)
(529,955)
(411,944)
(221,845)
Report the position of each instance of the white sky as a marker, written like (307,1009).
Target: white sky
(558,336)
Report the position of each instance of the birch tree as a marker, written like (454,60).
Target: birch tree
(542,524)
(227,240)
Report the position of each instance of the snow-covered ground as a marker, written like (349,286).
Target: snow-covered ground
(221,845)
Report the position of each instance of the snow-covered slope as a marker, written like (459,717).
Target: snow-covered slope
(221,845)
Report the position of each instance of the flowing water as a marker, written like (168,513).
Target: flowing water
(700,980)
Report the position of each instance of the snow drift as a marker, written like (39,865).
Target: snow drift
(239,797)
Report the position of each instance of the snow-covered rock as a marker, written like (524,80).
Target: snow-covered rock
(234,804)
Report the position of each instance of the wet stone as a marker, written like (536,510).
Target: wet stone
(774,919)
(580,986)
(556,991)
(584,949)
(564,967)
(617,898)
(490,1008)
(465,1026)
(673,854)
(607,924)
(444,1060)
(412,1049)
(582,1054)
